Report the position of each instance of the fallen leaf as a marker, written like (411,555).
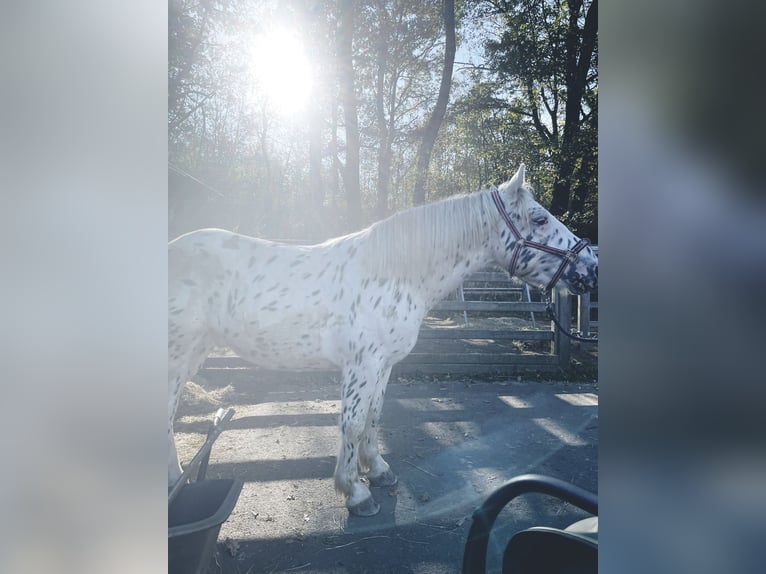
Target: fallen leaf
(232,546)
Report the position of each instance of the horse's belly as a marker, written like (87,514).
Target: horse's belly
(295,334)
(283,357)
(287,344)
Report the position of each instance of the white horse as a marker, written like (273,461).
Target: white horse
(354,303)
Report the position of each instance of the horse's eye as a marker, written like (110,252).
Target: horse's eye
(542,220)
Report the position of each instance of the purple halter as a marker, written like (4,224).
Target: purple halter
(568,256)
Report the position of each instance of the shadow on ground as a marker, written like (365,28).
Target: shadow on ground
(452,442)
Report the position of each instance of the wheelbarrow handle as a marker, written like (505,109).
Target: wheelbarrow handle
(222,417)
(215,429)
(203,455)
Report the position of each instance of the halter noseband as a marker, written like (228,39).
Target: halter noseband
(568,256)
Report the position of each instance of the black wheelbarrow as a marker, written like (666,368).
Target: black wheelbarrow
(197,510)
(537,550)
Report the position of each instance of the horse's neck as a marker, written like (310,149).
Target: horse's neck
(446,241)
(450,273)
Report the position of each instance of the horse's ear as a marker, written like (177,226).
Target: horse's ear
(517,180)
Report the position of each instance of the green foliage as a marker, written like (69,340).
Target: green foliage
(223,131)
(547,52)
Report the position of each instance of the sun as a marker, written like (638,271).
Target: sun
(281,70)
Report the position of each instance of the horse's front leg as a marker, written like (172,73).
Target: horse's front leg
(378,471)
(358,386)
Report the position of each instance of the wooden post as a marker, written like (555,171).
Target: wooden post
(583,314)
(561,343)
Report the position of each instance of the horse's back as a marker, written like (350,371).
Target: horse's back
(204,242)
(206,254)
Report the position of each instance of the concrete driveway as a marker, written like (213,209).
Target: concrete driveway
(451,442)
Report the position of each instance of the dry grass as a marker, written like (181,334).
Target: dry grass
(195,395)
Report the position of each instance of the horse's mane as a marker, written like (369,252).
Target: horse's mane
(414,242)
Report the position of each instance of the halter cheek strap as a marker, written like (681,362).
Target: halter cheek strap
(568,256)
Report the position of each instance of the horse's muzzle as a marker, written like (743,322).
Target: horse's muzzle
(580,283)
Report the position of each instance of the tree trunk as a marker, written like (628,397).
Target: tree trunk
(384,143)
(348,100)
(337,168)
(434,122)
(316,189)
(315,31)
(578,58)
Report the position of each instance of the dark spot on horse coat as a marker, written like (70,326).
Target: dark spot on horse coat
(338,275)
(231,243)
(325,268)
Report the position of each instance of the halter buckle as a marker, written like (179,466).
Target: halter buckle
(574,253)
(571,256)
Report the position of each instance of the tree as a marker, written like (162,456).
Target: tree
(351,119)
(398,61)
(386,117)
(548,51)
(384,123)
(437,116)
(483,140)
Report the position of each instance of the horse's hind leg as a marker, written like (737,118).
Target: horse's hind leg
(357,390)
(185,357)
(378,471)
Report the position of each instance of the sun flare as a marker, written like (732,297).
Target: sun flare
(281,70)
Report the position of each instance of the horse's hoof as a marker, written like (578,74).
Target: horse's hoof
(368,507)
(388,478)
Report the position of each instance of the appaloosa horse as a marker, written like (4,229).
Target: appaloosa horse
(354,303)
